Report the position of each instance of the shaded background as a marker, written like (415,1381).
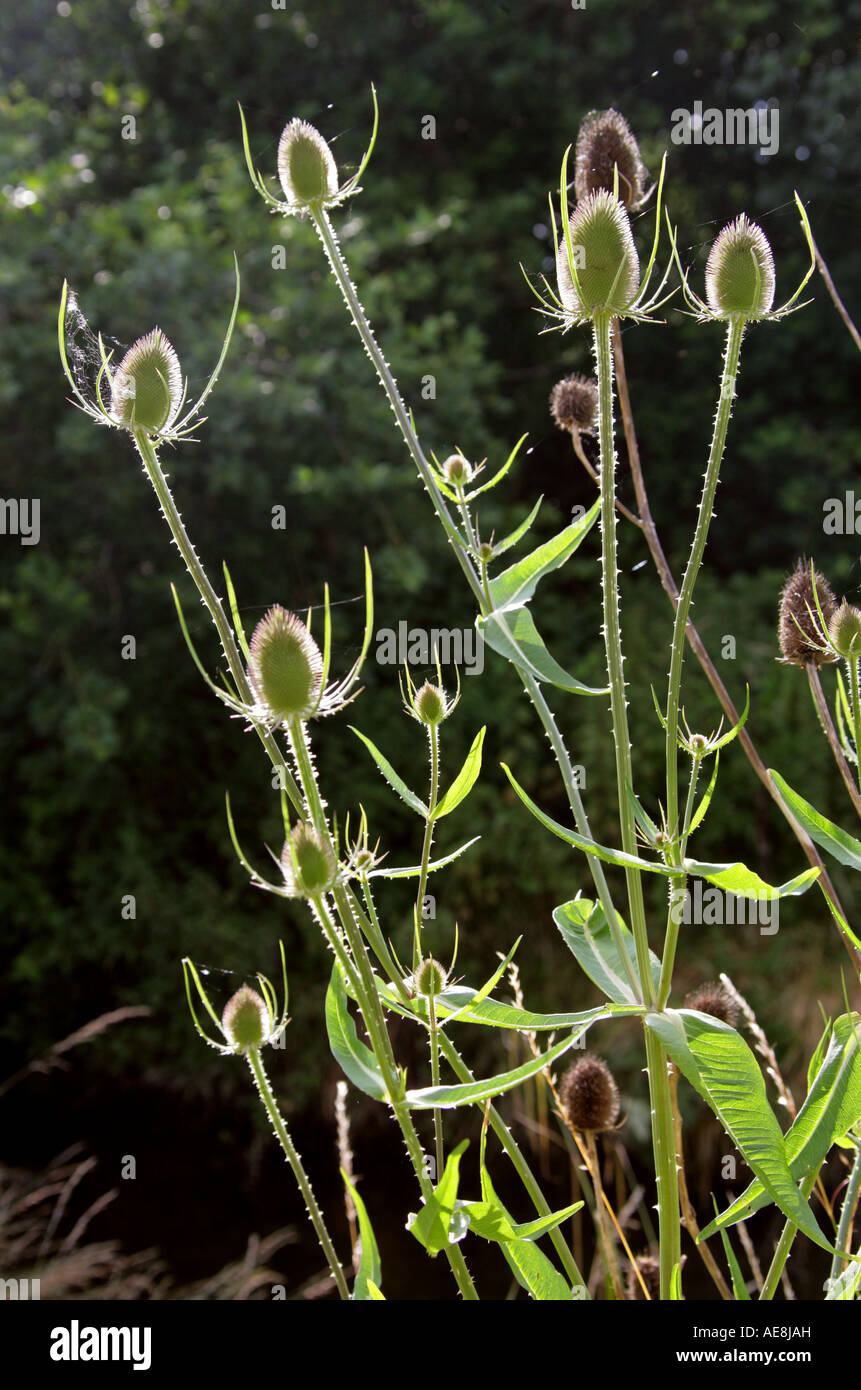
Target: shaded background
(114,771)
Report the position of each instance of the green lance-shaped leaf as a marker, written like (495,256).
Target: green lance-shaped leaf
(832,1107)
(732,878)
(705,801)
(843,846)
(516,585)
(460,1000)
(718,1063)
(512,633)
(432,1224)
(527,1261)
(465,779)
(395,782)
(369,1273)
(357,1061)
(586,932)
(846,1287)
(446,1097)
(413,870)
(744,883)
(739,1287)
(500,547)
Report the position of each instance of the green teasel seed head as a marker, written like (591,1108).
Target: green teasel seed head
(285,666)
(310,869)
(146,389)
(430,978)
(799,626)
(485,552)
(246,1021)
(845,631)
(430,704)
(306,165)
(605,259)
(574,404)
(740,272)
(605,143)
(589,1095)
(457,471)
(698,743)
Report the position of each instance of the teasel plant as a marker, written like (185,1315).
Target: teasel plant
(281,684)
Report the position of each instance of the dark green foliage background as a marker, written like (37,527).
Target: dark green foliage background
(114,771)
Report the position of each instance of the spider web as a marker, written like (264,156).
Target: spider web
(83,353)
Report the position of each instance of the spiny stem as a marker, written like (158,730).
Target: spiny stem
(820,704)
(367,997)
(784,1245)
(662,1120)
(292,1156)
(668,584)
(613,648)
(348,290)
(433,741)
(521,1166)
(156,476)
(735,333)
(852,667)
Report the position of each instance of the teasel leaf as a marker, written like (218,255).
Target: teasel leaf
(720,1066)
(832,1107)
(839,843)
(587,935)
(395,782)
(512,633)
(516,585)
(465,779)
(500,547)
(357,1061)
(369,1273)
(467,1093)
(705,801)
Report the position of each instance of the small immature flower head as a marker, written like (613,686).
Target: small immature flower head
(430,978)
(430,704)
(605,142)
(574,403)
(286,667)
(146,390)
(714,999)
(306,165)
(740,272)
(246,1021)
(485,552)
(605,258)
(844,630)
(798,611)
(589,1095)
(457,470)
(311,868)
(650,1269)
